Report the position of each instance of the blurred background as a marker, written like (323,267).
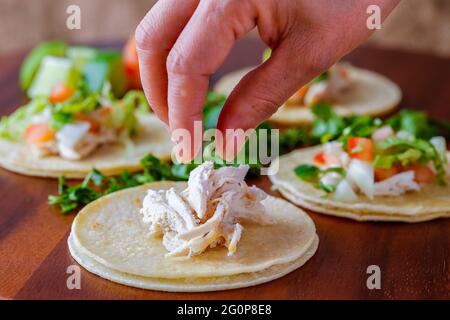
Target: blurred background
(415,25)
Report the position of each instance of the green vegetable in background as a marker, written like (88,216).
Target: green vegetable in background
(33,61)
(212,108)
(419,124)
(327,125)
(80,55)
(106,67)
(293,137)
(53,70)
(413,122)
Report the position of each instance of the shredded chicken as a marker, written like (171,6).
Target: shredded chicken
(397,184)
(73,141)
(207,213)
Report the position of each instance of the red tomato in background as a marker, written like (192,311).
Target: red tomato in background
(131,63)
(360,148)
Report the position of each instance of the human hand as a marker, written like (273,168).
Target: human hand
(181,43)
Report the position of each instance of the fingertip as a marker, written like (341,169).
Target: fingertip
(229,142)
(188,142)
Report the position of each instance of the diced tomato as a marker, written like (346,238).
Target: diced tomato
(360,148)
(319,158)
(131,63)
(104,111)
(39,133)
(383,174)
(422,173)
(94,124)
(60,92)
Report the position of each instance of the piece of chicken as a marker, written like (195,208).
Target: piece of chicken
(207,213)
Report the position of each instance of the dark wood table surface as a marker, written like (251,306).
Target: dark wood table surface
(414,258)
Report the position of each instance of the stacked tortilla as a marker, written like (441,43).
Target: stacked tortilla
(370,94)
(110,159)
(431,202)
(109,239)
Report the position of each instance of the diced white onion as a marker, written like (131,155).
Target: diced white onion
(344,192)
(361,173)
(331,179)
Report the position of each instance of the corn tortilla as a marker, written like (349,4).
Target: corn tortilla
(429,203)
(110,232)
(370,94)
(110,159)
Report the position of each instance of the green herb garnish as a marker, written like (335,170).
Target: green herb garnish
(313,174)
(96,184)
(327,125)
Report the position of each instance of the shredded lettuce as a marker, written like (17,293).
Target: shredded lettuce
(13,127)
(123,116)
(405,151)
(404,158)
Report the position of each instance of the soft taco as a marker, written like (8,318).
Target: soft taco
(71,138)
(212,233)
(395,170)
(78,116)
(350,90)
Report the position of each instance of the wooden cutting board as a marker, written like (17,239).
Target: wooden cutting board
(414,258)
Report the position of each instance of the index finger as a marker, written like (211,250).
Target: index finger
(155,36)
(201,48)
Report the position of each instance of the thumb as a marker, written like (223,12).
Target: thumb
(261,92)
